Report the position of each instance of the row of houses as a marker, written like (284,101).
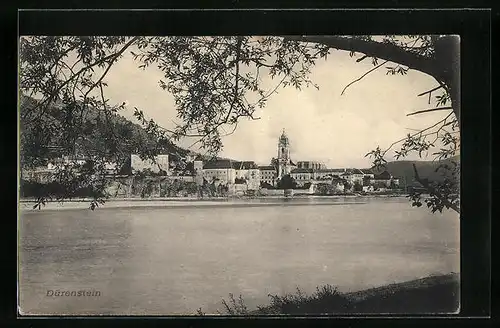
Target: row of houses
(248,173)
(303,176)
(254,176)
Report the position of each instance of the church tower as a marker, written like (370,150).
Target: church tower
(284,162)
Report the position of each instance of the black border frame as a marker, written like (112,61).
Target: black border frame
(472,25)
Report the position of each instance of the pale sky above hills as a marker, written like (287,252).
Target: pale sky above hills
(322,124)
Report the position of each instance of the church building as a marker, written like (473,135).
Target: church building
(285,164)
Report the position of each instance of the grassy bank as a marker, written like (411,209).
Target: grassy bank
(431,295)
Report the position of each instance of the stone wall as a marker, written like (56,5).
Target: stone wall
(130,187)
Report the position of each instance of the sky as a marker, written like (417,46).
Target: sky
(322,125)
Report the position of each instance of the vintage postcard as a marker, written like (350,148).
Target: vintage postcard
(239,175)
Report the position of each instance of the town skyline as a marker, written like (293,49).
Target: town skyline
(323,125)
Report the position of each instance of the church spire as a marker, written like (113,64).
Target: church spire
(283,137)
(284,166)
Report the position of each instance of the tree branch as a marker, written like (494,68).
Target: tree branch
(113,56)
(429,110)
(431,90)
(431,189)
(386,51)
(418,133)
(362,58)
(362,76)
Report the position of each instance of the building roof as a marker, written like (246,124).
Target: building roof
(352,171)
(366,171)
(330,170)
(219,164)
(284,138)
(267,168)
(301,170)
(245,165)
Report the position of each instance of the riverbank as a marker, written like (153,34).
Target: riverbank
(439,294)
(83,203)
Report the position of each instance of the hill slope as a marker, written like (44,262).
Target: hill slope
(45,139)
(426,169)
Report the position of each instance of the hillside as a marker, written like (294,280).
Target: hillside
(426,169)
(46,139)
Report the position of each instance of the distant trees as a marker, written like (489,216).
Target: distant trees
(325,189)
(286,182)
(379,185)
(306,185)
(266,185)
(358,186)
(347,185)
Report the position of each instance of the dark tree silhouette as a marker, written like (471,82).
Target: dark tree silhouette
(286,182)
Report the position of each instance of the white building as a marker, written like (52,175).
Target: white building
(357,176)
(268,174)
(384,178)
(160,164)
(249,171)
(222,171)
(368,174)
(302,176)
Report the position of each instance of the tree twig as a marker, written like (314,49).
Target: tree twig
(417,133)
(429,110)
(362,76)
(431,90)
(47,100)
(362,58)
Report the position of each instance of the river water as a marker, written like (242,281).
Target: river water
(161,260)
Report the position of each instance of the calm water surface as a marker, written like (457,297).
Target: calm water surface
(176,259)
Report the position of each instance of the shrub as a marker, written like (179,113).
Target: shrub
(325,189)
(437,294)
(266,185)
(235,307)
(358,186)
(326,299)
